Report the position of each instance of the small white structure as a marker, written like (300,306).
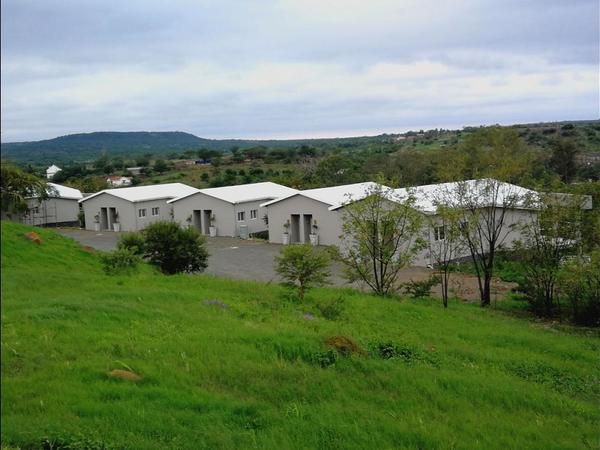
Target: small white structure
(61,207)
(118,181)
(51,171)
(132,208)
(234,211)
(134,170)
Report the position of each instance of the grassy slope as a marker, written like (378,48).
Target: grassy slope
(240,377)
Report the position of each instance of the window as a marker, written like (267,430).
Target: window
(156,211)
(253,213)
(439,233)
(241,216)
(142,212)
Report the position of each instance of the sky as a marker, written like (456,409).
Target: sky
(294,68)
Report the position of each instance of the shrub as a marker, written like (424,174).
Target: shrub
(420,289)
(389,350)
(325,359)
(175,249)
(344,345)
(302,266)
(579,282)
(132,241)
(332,309)
(121,261)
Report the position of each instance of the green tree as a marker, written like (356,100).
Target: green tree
(302,266)
(380,237)
(174,249)
(562,160)
(16,186)
(160,166)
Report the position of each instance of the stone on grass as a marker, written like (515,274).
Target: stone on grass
(34,237)
(124,375)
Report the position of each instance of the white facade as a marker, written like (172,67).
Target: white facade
(233,211)
(61,207)
(51,171)
(117,181)
(131,209)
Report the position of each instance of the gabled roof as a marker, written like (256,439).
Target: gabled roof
(145,193)
(336,196)
(53,168)
(244,192)
(61,191)
(479,193)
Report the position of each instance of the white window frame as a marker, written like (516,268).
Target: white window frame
(241,216)
(253,214)
(157,209)
(141,213)
(439,233)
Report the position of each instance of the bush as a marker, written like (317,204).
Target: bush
(175,249)
(420,289)
(332,309)
(132,241)
(121,261)
(302,266)
(389,350)
(579,282)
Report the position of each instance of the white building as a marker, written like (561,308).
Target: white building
(132,208)
(321,211)
(118,181)
(230,210)
(51,171)
(61,207)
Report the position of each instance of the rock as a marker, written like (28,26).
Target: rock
(34,237)
(124,375)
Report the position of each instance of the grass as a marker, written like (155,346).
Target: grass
(231,364)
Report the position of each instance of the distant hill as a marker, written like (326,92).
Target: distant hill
(88,146)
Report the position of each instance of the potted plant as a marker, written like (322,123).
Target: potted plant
(189,220)
(212,229)
(313,235)
(116,224)
(97,222)
(285,240)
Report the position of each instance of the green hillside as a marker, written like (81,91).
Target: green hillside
(231,365)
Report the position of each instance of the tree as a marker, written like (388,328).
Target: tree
(17,186)
(553,233)
(446,244)
(381,235)
(562,160)
(160,166)
(175,249)
(485,205)
(302,266)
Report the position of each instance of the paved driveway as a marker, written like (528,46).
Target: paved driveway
(229,257)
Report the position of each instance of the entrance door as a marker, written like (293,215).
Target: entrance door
(104,219)
(307,223)
(295,237)
(112,215)
(197,220)
(206,220)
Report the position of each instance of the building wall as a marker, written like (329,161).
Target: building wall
(51,211)
(124,208)
(254,225)
(164,213)
(329,222)
(224,212)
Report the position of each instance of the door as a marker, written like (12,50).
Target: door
(295,237)
(307,224)
(104,219)
(206,220)
(197,220)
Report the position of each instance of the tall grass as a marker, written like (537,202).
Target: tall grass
(231,364)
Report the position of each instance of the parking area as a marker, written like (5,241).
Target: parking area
(253,260)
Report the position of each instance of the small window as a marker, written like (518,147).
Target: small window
(142,212)
(155,211)
(253,213)
(241,216)
(36,210)
(439,233)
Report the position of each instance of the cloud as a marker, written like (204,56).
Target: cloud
(287,68)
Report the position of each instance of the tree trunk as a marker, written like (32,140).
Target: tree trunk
(486,293)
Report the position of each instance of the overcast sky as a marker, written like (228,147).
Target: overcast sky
(294,68)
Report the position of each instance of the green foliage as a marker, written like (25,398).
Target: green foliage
(302,266)
(134,242)
(380,237)
(579,283)
(420,288)
(174,249)
(122,261)
(246,376)
(16,186)
(332,309)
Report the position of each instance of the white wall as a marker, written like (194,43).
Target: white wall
(51,211)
